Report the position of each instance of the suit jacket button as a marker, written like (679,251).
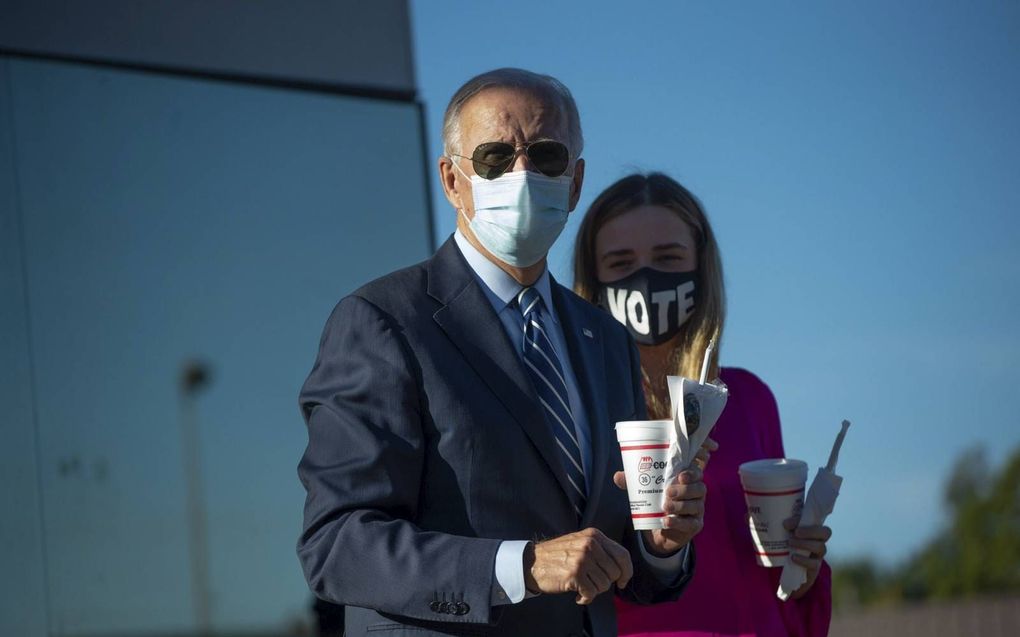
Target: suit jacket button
(434,606)
(463,608)
(444,607)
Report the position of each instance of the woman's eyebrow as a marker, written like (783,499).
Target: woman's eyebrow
(623,252)
(669,246)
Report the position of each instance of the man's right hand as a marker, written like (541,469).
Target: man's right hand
(586,562)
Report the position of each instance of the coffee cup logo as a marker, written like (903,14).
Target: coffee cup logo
(644,449)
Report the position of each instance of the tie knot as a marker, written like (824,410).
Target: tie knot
(528,301)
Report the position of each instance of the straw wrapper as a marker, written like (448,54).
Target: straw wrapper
(695,408)
(820,500)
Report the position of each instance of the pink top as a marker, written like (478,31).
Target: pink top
(729,593)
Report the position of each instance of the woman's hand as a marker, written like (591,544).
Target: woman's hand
(705,453)
(685,506)
(811,539)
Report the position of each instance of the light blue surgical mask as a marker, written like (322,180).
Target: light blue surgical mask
(519,215)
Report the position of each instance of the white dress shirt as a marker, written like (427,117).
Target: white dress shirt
(501,289)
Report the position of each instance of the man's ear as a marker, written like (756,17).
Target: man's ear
(575,186)
(448,177)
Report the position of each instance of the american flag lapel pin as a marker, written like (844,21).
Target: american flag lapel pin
(587,332)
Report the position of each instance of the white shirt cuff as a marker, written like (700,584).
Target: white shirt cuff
(666,569)
(508,587)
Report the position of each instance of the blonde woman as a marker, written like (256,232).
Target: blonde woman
(646,253)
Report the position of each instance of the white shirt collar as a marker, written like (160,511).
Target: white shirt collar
(497,282)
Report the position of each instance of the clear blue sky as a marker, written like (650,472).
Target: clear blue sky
(860,164)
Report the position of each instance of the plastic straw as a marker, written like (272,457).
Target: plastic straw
(708,357)
(834,455)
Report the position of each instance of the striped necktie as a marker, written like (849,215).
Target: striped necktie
(547,376)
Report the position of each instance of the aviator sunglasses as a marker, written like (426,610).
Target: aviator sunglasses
(492,159)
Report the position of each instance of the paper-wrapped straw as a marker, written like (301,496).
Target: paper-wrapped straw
(836,446)
(695,408)
(708,359)
(818,504)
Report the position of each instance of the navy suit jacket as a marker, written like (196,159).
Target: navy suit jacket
(427,447)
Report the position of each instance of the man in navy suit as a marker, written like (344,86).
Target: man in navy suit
(461,455)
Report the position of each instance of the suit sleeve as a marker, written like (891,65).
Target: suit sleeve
(647,587)
(362,472)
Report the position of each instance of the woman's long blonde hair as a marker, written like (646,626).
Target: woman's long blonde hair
(656,189)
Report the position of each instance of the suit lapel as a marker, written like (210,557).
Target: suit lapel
(469,321)
(584,344)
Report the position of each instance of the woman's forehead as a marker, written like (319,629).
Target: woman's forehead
(643,228)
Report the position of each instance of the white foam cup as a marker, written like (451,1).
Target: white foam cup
(644,445)
(774,491)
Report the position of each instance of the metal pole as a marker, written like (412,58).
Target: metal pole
(194,378)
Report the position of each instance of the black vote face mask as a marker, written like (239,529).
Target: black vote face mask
(652,304)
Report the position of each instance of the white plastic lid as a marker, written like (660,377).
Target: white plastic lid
(644,430)
(773,473)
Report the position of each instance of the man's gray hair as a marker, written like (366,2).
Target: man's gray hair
(548,88)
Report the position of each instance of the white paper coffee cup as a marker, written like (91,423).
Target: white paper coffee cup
(644,445)
(774,491)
